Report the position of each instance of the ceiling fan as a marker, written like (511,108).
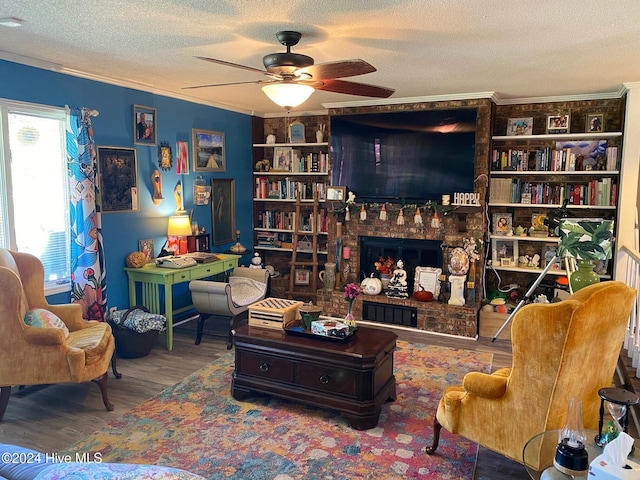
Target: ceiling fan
(293,77)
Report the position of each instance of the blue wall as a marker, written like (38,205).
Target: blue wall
(114,127)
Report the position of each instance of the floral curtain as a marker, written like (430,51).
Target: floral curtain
(88,274)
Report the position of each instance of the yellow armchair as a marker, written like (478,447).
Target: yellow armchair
(561,350)
(32,355)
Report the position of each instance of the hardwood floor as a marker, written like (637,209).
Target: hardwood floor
(53,417)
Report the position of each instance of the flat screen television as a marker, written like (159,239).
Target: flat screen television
(409,157)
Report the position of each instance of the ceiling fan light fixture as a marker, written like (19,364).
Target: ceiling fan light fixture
(288,94)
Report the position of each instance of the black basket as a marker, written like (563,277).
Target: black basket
(129,343)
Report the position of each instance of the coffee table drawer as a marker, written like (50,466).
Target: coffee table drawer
(327,380)
(273,368)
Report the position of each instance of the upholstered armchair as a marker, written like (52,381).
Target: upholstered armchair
(72,351)
(560,350)
(228,299)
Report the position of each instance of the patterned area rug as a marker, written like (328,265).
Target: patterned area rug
(196,425)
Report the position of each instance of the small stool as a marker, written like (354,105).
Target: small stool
(619,396)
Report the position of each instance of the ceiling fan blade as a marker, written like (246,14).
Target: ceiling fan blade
(354,88)
(339,69)
(224,84)
(235,65)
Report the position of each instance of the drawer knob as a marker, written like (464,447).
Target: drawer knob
(264,367)
(324,379)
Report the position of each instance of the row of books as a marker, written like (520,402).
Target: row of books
(286,220)
(285,240)
(287,159)
(561,159)
(287,189)
(597,192)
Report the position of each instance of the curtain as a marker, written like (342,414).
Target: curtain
(88,274)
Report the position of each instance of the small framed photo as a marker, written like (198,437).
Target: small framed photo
(302,277)
(549,251)
(558,123)
(282,159)
(595,123)
(426,278)
(208,151)
(144,125)
(146,247)
(502,223)
(165,156)
(118,170)
(336,194)
(520,126)
(504,252)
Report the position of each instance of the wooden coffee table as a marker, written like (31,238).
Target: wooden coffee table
(354,377)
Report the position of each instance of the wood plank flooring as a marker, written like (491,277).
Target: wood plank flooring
(53,417)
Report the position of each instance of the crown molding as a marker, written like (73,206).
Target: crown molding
(559,98)
(406,100)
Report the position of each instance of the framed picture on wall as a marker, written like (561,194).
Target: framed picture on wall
(182,158)
(208,151)
(118,172)
(558,123)
(223,198)
(302,277)
(144,125)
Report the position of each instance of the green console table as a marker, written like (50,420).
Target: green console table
(151,278)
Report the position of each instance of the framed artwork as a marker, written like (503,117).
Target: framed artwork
(595,123)
(182,158)
(502,223)
(146,247)
(144,125)
(504,252)
(165,156)
(208,151)
(223,207)
(427,278)
(118,171)
(550,250)
(337,194)
(282,159)
(302,277)
(558,123)
(296,132)
(520,126)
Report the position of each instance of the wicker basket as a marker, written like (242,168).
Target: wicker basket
(129,343)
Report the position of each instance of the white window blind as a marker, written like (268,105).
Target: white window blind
(34,199)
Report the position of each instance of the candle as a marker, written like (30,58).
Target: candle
(346,253)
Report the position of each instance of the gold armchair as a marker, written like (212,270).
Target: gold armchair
(31,355)
(561,350)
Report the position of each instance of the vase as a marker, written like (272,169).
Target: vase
(583,276)
(349,319)
(328,276)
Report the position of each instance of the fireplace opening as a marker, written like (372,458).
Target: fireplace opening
(413,253)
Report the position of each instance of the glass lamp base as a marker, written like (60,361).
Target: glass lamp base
(583,276)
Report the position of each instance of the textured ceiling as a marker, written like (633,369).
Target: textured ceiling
(420,47)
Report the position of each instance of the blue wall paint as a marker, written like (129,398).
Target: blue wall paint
(114,127)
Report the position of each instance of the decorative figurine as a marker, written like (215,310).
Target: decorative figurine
(397,287)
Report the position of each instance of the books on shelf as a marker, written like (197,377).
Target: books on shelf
(595,192)
(287,159)
(271,188)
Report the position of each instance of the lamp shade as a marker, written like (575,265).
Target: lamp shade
(288,94)
(179,226)
(586,238)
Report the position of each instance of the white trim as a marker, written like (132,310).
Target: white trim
(414,330)
(396,101)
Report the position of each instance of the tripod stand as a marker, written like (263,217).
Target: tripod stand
(527,295)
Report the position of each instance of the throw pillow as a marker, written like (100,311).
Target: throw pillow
(245,291)
(39,317)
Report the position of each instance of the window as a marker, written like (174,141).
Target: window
(34,198)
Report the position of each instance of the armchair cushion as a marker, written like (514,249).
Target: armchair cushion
(39,317)
(245,291)
(487,386)
(93,340)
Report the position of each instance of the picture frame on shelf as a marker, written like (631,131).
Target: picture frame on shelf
(426,278)
(549,250)
(146,247)
(118,170)
(595,123)
(520,126)
(223,207)
(144,125)
(282,159)
(208,151)
(558,123)
(296,132)
(504,252)
(302,277)
(336,193)
(502,223)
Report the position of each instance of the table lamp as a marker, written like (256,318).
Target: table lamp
(179,227)
(585,240)
(571,456)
